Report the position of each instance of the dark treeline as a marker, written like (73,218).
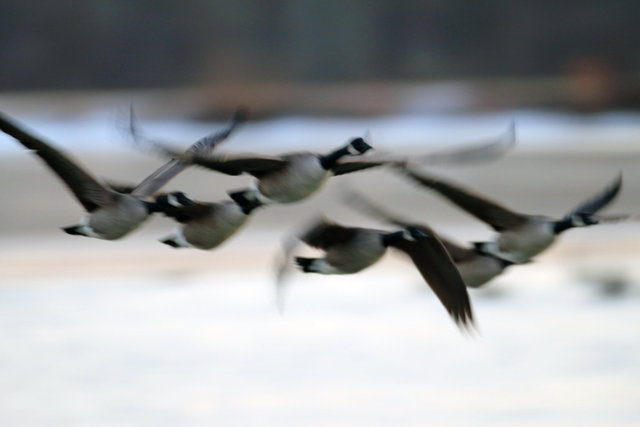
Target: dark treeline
(70,44)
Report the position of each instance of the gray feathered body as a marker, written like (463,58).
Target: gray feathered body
(302,176)
(358,253)
(116,220)
(527,240)
(479,270)
(212,229)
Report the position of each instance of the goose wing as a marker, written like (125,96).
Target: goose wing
(487,150)
(87,189)
(432,260)
(600,199)
(173,167)
(236,164)
(324,234)
(497,216)
(357,163)
(615,218)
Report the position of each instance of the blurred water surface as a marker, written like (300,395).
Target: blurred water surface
(371,349)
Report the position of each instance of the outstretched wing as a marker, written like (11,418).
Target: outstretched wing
(236,164)
(599,200)
(497,216)
(478,152)
(488,150)
(615,218)
(323,234)
(173,167)
(439,271)
(358,163)
(209,142)
(87,189)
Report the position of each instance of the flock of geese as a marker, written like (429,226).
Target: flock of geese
(113,211)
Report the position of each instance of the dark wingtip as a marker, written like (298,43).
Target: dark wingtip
(615,186)
(600,200)
(247,204)
(618,182)
(464,318)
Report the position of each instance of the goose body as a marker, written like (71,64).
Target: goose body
(480,270)
(522,243)
(115,220)
(301,176)
(475,266)
(288,178)
(351,254)
(202,225)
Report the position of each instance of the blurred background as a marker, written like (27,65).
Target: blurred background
(135,333)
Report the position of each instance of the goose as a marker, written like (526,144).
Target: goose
(295,176)
(202,225)
(348,250)
(475,266)
(521,236)
(110,214)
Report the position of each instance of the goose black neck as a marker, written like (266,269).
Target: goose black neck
(329,160)
(246,199)
(562,225)
(390,239)
(250,207)
(152,207)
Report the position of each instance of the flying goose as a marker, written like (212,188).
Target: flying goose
(475,266)
(202,225)
(292,177)
(521,236)
(110,214)
(351,249)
